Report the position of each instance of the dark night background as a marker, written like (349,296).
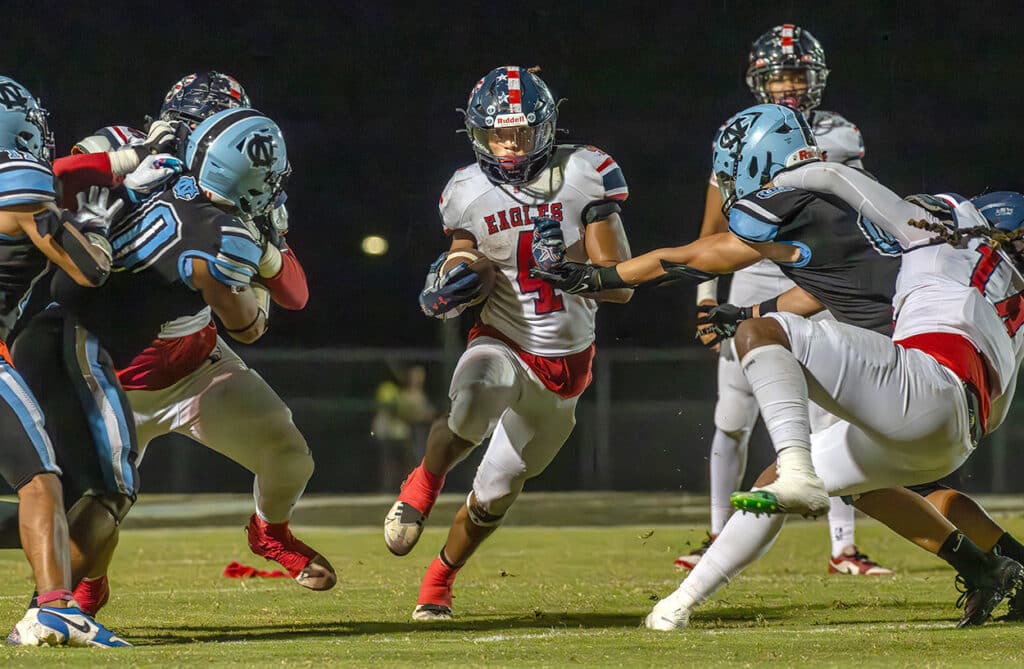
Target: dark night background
(366,95)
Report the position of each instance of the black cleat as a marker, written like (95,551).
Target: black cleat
(1016,612)
(1005,578)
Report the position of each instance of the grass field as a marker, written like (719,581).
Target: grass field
(533,596)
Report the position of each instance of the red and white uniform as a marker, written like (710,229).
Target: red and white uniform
(905,400)
(530,354)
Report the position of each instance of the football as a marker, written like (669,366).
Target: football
(478,263)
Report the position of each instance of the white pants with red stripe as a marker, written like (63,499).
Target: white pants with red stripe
(494,393)
(904,416)
(230,409)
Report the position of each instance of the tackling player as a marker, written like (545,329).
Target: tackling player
(529,354)
(195,255)
(189,381)
(786,66)
(33,233)
(917,405)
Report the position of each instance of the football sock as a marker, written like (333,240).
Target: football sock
(966,558)
(728,463)
(1011,548)
(744,538)
(840,525)
(421,489)
(437,582)
(778,382)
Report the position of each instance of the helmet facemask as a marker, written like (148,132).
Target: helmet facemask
(514,154)
(769,86)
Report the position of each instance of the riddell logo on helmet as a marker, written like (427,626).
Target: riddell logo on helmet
(510,120)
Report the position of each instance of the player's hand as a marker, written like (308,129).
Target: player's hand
(153,172)
(715,323)
(705,332)
(548,244)
(96,210)
(570,277)
(274,224)
(447,294)
(278,215)
(161,138)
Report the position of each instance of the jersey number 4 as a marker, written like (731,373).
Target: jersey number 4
(1012,308)
(547,300)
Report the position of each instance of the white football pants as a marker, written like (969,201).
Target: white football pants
(494,393)
(230,409)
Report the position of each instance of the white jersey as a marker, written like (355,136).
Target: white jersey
(840,142)
(530,312)
(971,292)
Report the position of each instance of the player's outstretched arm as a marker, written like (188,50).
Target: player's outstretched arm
(243,313)
(715,323)
(721,253)
(606,245)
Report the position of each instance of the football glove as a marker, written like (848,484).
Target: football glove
(95,211)
(153,172)
(570,277)
(723,320)
(548,244)
(448,295)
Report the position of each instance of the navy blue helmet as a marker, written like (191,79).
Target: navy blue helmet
(198,96)
(510,119)
(787,47)
(1002,209)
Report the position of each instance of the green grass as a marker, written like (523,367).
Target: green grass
(533,596)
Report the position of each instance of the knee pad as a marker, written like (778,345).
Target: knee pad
(480,515)
(475,411)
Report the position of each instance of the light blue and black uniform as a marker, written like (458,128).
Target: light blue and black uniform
(845,262)
(26,448)
(95,331)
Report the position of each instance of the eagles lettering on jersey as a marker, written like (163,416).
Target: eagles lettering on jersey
(155,248)
(537,317)
(840,263)
(24,180)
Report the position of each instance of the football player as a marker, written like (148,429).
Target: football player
(189,381)
(35,233)
(530,351)
(786,66)
(195,256)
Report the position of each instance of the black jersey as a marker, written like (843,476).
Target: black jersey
(154,249)
(24,180)
(846,262)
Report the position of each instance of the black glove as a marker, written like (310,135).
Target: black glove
(722,319)
(570,277)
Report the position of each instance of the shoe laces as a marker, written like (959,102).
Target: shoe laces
(965,590)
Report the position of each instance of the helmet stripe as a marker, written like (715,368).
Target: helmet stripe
(515,93)
(203,142)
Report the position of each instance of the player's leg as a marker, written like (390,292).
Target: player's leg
(486,381)
(526,440)
(230,409)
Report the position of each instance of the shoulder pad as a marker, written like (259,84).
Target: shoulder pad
(466,185)
(839,140)
(601,168)
(757,217)
(237,260)
(24,179)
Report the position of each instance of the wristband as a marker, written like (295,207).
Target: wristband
(768,306)
(708,291)
(608,278)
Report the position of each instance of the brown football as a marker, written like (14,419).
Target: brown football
(478,263)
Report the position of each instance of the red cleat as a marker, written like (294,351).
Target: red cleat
(855,563)
(274,541)
(690,560)
(92,594)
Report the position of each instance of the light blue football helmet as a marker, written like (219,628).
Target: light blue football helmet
(1002,209)
(23,121)
(239,157)
(755,145)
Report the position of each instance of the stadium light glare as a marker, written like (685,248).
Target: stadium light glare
(375,245)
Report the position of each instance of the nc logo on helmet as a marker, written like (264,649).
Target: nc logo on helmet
(735,132)
(260,150)
(11,96)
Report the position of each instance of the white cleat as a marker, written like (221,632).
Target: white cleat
(668,615)
(47,626)
(802,493)
(402,527)
(426,613)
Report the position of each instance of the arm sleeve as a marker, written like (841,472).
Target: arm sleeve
(288,287)
(78,172)
(871,199)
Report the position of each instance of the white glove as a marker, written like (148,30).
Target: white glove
(95,211)
(279,218)
(270,261)
(154,172)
